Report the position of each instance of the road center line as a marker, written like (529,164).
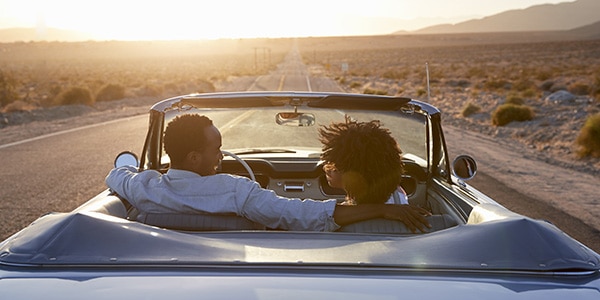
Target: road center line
(223,129)
(281,83)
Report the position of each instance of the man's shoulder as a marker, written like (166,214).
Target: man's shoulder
(229,178)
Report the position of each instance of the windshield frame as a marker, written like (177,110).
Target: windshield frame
(162,112)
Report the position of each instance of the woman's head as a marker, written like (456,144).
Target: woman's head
(366,158)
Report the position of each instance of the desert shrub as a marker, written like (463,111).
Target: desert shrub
(476,72)
(529,93)
(523,85)
(149,91)
(50,95)
(111,92)
(171,87)
(589,137)
(394,74)
(75,95)
(204,86)
(496,84)
(18,105)
(507,113)
(513,99)
(463,83)
(374,92)
(596,88)
(543,75)
(355,84)
(469,109)
(580,89)
(8,90)
(558,87)
(55,89)
(547,85)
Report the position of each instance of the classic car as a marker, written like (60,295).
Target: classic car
(475,249)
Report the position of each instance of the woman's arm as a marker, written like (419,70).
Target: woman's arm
(413,217)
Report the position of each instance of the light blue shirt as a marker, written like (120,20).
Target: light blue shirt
(180,191)
(398,197)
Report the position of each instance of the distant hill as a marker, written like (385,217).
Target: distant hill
(10,35)
(545,17)
(591,31)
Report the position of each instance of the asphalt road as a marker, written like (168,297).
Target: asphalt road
(60,172)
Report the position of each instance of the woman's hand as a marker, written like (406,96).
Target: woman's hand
(412,216)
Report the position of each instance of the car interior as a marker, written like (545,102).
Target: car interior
(298,178)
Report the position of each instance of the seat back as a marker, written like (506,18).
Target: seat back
(198,222)
(110,205)
(437,222)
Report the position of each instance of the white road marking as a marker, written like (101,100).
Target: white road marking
(66,131)
(223,129)
(254,83)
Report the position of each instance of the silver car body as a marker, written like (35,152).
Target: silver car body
(477,249)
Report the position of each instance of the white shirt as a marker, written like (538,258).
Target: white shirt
(398,197)
(180,191)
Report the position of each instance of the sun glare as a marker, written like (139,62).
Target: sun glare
(178,19)
(175,19)
(181,19)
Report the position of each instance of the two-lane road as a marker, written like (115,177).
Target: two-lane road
(293,75)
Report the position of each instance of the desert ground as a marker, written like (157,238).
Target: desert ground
(558,79)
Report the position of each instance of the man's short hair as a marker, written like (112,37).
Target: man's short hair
(368,157)
(185,134)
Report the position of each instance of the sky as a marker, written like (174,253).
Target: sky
(200,19)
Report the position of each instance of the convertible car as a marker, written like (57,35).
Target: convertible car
(475,249)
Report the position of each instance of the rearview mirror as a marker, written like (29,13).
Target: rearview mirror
(295,119)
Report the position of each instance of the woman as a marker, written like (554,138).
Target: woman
(363,159)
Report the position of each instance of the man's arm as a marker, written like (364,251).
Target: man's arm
(413,217)
(118,178)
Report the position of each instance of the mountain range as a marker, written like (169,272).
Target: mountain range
(578,17)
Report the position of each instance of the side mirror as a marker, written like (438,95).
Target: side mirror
(295,119)
(464,167)
(127,158)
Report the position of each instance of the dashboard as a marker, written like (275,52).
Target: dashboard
(304,178)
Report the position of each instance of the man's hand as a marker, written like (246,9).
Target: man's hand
(412,216)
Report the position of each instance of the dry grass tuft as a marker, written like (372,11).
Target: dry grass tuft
(589,137)
(75,95)
(469,109)
(507,113)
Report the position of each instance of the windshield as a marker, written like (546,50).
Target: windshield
(257,129)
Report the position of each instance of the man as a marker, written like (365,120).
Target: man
(191,185)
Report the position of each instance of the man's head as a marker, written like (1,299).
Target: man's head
(364,158)
(193,143)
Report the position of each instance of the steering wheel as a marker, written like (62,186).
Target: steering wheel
(241,161)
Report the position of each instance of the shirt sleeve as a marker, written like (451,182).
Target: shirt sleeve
(398,197)
(119,181)
(266,207)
